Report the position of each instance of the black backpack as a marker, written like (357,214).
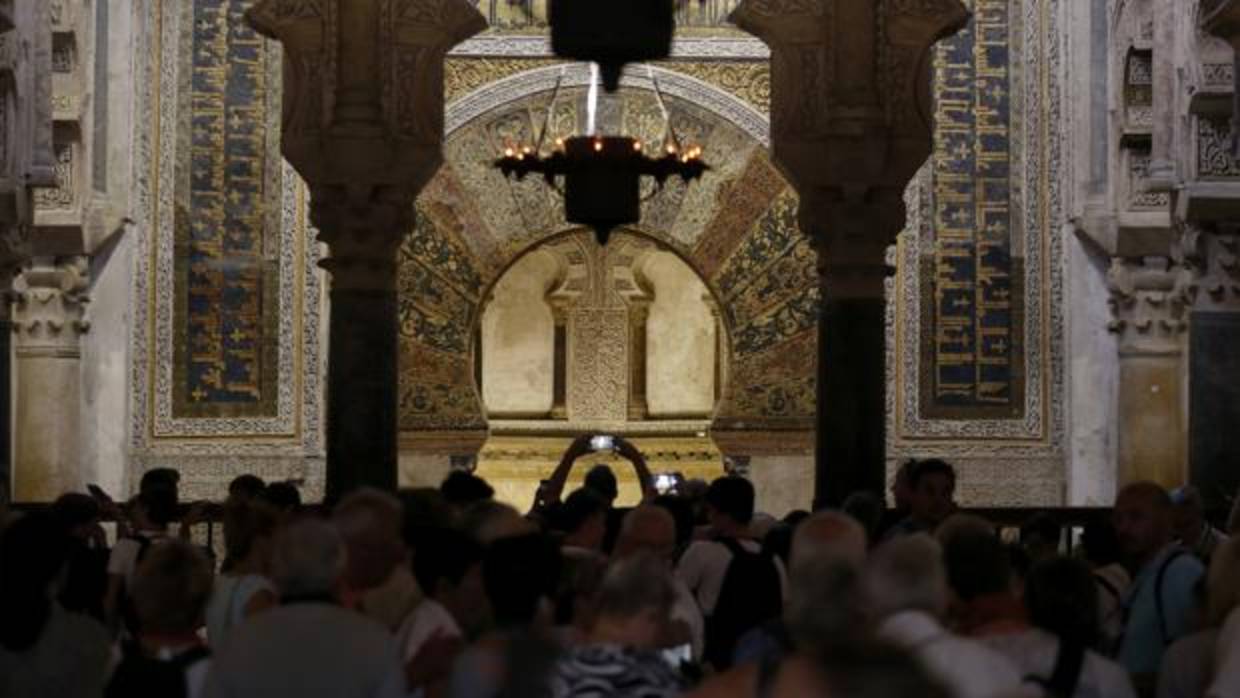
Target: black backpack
(139,676)
(750,596)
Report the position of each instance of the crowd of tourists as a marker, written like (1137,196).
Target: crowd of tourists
(448,592)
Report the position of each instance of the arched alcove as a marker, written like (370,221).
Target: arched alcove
(736,228)
(576,338)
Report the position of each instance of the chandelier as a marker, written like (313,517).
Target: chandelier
(601,174)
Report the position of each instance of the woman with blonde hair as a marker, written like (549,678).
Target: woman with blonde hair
(1188,664)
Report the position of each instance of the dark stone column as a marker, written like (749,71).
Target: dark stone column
(361,391)
(851,238)
(363,228)
(6,397)
(851,418)
(559,363)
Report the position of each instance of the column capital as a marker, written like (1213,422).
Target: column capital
(363,85)
(866,123)
(49,313)
(1149,304)
(852,235)
(363,227)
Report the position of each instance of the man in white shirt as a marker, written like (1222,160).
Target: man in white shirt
(310,646)
(905,586)
(706,566)
(152,511)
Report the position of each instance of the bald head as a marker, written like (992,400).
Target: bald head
(829,534)
(1143,520)
(648,528)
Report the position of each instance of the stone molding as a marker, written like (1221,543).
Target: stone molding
(683,48)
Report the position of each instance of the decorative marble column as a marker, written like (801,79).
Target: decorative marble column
(48,323)
(559,362)
(720,366)
(363,125)
(1149,305)
(639,315)
(6,389)
(848,126)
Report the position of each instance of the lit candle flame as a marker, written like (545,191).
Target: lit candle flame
(598,145)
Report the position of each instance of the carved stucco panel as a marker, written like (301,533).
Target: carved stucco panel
(598,365)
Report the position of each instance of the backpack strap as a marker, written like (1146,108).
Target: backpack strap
(1107,585)
(1158,595)
(733,546)
(1066,674)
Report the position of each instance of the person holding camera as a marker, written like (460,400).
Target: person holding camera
(600,479)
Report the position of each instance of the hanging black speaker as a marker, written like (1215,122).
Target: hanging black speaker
(612,33)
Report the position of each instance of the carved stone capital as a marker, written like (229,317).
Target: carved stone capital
(1149,303)
(849,85)
(363,84)
(363,228)
(852,238)
(1211,262)
(49,311)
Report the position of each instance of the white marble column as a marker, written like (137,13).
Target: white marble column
(48,323)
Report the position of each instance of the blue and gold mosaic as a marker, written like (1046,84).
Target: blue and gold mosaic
(227,209)
(974,321)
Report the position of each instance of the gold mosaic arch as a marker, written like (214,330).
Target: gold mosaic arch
(736,228)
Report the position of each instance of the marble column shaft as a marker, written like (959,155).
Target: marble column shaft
(559,365)
(48,321)
(850,448)
(639,315)
(1150,319)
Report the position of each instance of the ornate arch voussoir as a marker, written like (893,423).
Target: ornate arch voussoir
(496,94)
